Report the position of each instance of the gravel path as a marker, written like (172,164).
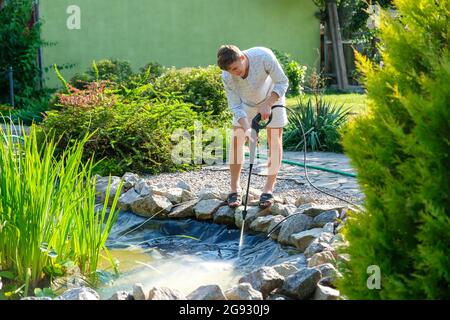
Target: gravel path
(219,178)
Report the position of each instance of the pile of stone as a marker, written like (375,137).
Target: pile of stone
(312,228)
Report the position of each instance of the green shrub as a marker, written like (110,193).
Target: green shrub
(130,133)
(20,42)
(201,87)
(293,70)
(112,70)
(321,122)
(47,213)
(401,151)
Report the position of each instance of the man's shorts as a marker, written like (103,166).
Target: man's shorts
(279,117)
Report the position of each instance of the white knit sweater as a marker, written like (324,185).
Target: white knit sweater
(265,76)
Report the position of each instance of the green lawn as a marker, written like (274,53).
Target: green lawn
(354,100)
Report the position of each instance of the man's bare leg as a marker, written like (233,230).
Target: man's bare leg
(275,141)
(236,158)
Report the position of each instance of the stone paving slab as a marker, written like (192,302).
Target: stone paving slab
(321,179)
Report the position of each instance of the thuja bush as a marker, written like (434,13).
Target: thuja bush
(401,151)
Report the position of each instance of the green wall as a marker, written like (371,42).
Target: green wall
(174,32)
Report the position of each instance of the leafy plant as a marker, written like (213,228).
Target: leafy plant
(112,70)
(202,87)
(293,70)
(400,149)
(47,212)
(321,122)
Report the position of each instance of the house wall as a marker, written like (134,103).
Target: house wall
(173,32)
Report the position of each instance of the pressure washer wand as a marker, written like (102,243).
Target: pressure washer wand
(252,146)
(256,126)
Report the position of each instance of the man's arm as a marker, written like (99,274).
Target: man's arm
(274,70)
(235,104)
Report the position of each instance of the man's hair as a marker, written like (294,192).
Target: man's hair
(226,55)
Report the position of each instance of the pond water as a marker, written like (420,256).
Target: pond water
(185,254)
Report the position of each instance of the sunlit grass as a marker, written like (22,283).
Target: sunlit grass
(355,101)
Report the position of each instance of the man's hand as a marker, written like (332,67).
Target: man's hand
(265,111)
(266,107)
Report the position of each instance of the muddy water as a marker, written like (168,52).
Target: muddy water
(185,254)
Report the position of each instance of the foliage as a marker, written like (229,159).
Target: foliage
(201,87)
(321,122)
(47,214)
(400,150)
(293,70)
(130,132)
(112,70)
(20,41)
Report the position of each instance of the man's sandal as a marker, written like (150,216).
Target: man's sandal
(234,200)
(266,200)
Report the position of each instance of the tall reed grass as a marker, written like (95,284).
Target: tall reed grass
(47,211)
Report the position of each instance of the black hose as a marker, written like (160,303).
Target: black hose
(306,176)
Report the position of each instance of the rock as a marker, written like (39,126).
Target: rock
(151,205)
(101,187)
(243,291)
(178,195)
(142,187)
(121,295)
(303,239)
(285,269)
(328,271)
(295,224)
(325,217)
(281,209)
(264,279)
(183,185)
(127,199)
(83,293)
(325,237)
(139,292)
(275,223)
(183,210)
(208,194)
(224,215)
(261,224)
(337,238)
(252,214)
(36,298)
(223,196)
(204,209)
(321,258)
(253,194)
(302,284)
(164,293)
(289,200)
(313,209)
(208,292)
(129,180)
(303,199)
(336,244)
(327,282)
(325,293)
(315,247)
(278,296)
(329,227)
